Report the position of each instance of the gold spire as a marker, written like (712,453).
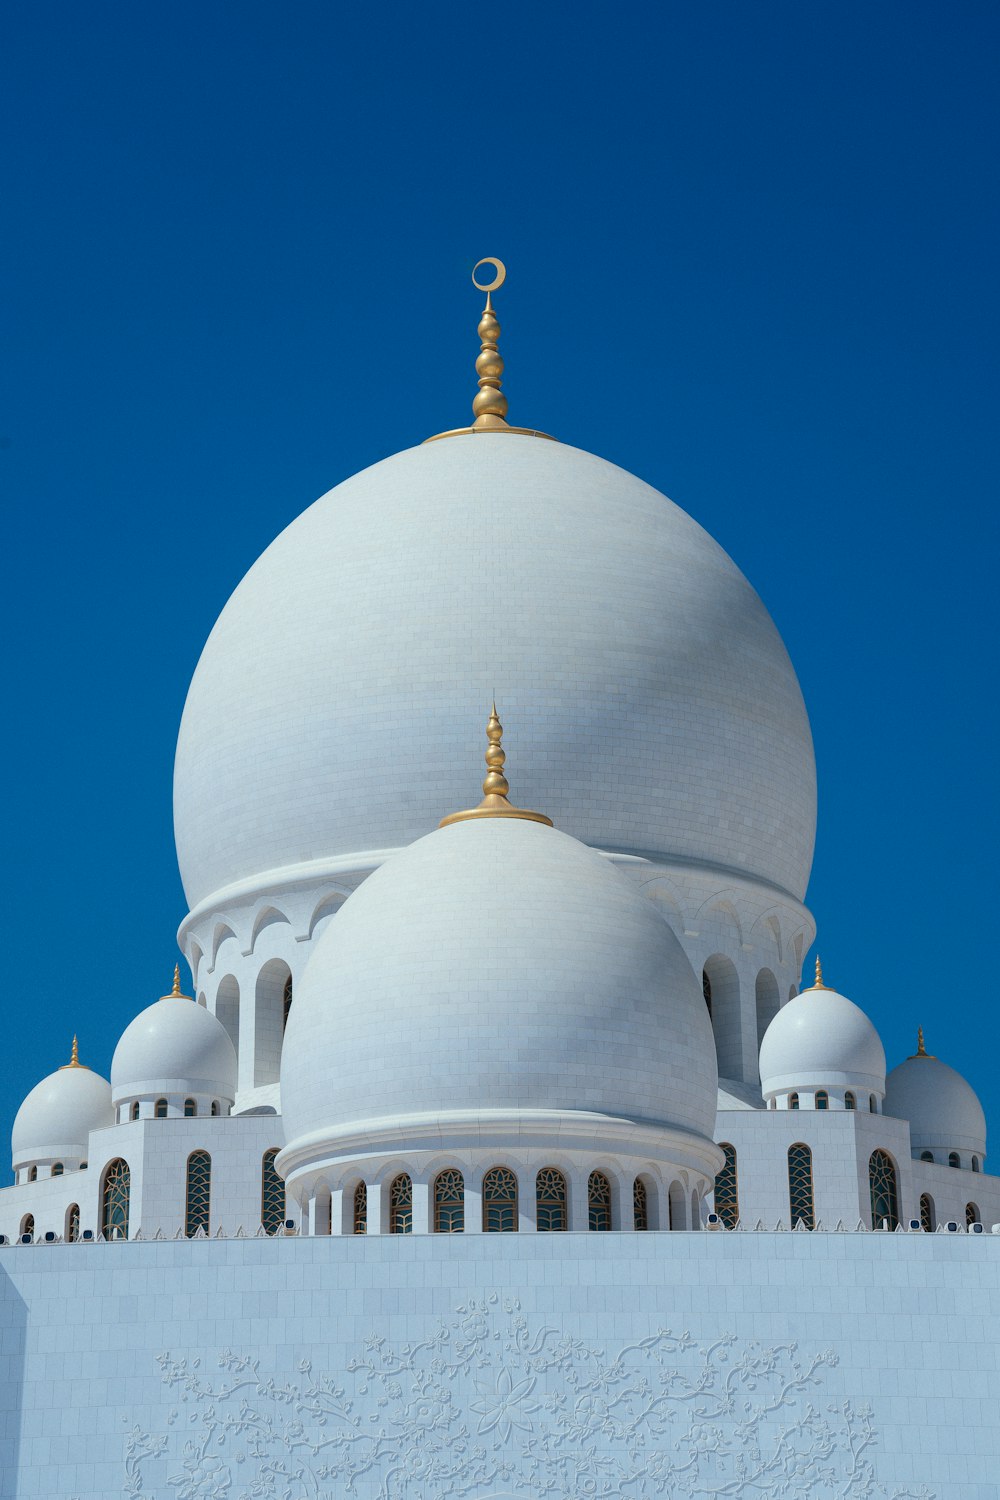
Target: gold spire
(495,785)
(176,993)
(921,1050)
(818,984)
(74,1058)
(489,408)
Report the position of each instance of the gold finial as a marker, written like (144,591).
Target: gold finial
(176,993)
(489,408)
(495,785)
(921,1050)
(74,1058)
(818,983)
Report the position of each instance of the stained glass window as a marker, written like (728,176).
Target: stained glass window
(361,1209)
(199,1192)
(800,1185)
(401,1205)
(640,1204)
(926,1212)
(272,1194)
(727,1197)
(550,1199)
(499,1201)
(884,1193)
(114,1216)
(73,1223)
(449,1202)
(971,1215)
(599,1201)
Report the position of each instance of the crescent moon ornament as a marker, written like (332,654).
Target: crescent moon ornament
(498,266)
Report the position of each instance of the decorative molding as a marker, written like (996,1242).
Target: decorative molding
(493,1405)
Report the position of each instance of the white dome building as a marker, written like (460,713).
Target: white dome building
(52,1127)
(174,1059)
(497,993)
(548,576)
(822,1052)
(947,1123)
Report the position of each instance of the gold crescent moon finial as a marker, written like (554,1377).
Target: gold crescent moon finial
(498,281)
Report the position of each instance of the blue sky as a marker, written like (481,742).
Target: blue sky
(752,257)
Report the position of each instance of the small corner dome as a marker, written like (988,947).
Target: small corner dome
(820,1039)
(56,1118)
(943,1111)
(174,1047)
(496,965)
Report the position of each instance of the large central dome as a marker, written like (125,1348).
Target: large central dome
(337,706)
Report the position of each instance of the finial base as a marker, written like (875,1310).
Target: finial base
(503,810)
(477,431)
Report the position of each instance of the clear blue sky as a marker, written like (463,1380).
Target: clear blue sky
(752,257)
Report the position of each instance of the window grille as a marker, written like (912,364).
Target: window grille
(926,1213)
(884,1191)
(599,1201)
(114,1215)
(361,1209)
(499,1201)
(449,1202)
(550,1199)
(727,1197)
(272,1194)
(198,1193)
(800,1185)
(73,1223)
(401,1205)
(640,1204)
(286,1002)
(28,1224)
(706,989)
(971,1215)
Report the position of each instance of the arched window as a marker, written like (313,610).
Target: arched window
(198,1193)
(272,1194)
(216,1108)
(32,1174)
(849,1101)
(884,1192)
(190,1109)
(114,1200)
(599,1201)
(499,1201)
(822,1099)
(401,1205)
(927,1156)
(927,1221)
(972,1215)
(449,1202)
(640,1204)
(727,1198)
(28,1224)
(550,1199)
(675,1206)
(57,1169)
(706,990)
(161,1109)
(954,1160)
(286,1002)
(361,1209)
(975,1163)
(134,1111)
(793,1101)
(800,1185)
(872,1105)
(73,1223)
(772,1103)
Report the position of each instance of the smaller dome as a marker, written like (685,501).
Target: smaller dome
(821,1040)
(943,1111)
(174,1047)
(56,1118)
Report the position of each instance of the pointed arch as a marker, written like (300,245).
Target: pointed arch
(727,1196)
(272,1194)
(721,987)
(551,1206)
(115,1194)
(598,1201)
(883,1187)
(220,933)
(449,1202)
(329,906)
(269,1020)
(499,1201)
(197,1193)
(401,1204)
(801,1203)
(268,916)
(768,1001)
